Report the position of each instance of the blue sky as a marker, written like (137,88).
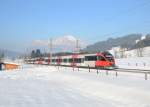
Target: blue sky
(22,21)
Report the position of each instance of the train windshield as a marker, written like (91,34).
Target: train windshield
(108,56)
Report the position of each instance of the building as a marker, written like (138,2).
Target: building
(8,66)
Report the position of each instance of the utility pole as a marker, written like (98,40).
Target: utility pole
(50,51)
(77,46)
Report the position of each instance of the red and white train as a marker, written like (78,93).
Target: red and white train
(101,60)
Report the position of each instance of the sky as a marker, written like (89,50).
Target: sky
(24,21)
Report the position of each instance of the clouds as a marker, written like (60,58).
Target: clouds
(64,40)
(62,43)
(39,43)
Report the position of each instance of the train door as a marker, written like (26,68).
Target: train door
(59,60)
(49,59)
(74,60)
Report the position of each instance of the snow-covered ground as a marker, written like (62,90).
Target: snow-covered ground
(134,63)
(46,86)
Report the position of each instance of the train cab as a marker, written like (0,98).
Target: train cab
(101,60)
(105,60)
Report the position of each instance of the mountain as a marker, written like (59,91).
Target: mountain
(127,41)
(62,43)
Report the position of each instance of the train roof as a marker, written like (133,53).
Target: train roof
(70,55)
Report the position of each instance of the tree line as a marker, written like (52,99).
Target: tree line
(36,53)
(1,55)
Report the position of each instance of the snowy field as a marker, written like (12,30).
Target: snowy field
(47,86)
(134,63)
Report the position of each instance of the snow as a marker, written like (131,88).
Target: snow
(134,63)
(48,86)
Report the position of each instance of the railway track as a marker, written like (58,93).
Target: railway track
(133,70)
(116,70)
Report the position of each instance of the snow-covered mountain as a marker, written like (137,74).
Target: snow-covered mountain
(62,43)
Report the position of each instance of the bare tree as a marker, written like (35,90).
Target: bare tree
(140,48)
(122,52)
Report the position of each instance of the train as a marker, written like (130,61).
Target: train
(103,60)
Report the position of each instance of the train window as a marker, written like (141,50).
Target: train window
(77,60)
(70,60)
(46,60)
(108,56)
(101,58)
(65,60)
(80,60)
(53,60)
(90,58)
(111,59)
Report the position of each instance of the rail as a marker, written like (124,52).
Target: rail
(116,70)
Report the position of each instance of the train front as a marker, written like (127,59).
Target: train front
(105,60)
